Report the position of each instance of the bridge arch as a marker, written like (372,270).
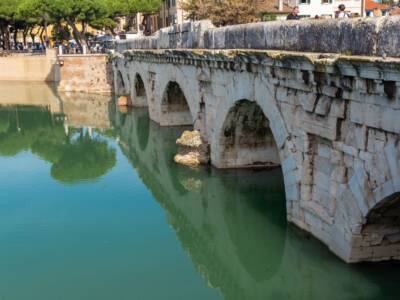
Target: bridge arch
(380,233)
(246,139)
(175,109)
(120,84)
(139,92)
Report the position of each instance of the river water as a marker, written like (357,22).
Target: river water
(92,207)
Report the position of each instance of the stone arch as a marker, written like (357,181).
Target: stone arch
(380,233)
(246,139)
(120,88)
(175,110)
(139,93)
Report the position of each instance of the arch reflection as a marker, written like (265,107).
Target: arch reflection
(232,225)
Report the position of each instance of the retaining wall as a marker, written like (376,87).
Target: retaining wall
(85,73)
(26,67)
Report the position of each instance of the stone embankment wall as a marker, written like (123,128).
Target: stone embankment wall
(26,67)
(372,36)
(85,73)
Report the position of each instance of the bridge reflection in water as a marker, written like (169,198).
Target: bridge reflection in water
(232,224)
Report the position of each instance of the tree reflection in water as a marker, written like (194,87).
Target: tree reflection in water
(75,154)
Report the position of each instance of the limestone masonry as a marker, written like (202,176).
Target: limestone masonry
(330,120)
(363,36)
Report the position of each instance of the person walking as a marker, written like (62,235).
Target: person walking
(342,14)
(294,15)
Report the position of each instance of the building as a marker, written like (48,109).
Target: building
(328,8)
(275,9)
(170,13)
(376,9)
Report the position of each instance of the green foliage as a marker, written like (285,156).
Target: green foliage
(269,17)
(8,9)
(100,14)
(61,32)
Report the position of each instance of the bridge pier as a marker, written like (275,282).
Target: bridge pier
(330,121)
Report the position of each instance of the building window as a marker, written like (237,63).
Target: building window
(326,1)
(304,1)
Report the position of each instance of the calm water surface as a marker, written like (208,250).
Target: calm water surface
(92,207)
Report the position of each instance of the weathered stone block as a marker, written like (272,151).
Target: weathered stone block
(323,165)
(274,35)
(219,38)
(388,39)
(324,150)
(292,192)
(289,164)
(358,36)
(234,37)
(254,36)
(322,180)
(360,187)
(323,106)
(323,127)
(375,116)
(307,100)
(336,157)
(393,157)
(339,174)
(337,108)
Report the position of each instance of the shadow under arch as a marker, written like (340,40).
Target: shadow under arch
(381,230)
(139,98)
(120,89)
(142,127)
(246,139)
(175,110)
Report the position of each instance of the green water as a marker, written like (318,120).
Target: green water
(104,213)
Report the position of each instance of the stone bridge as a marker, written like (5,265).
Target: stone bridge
(325,108)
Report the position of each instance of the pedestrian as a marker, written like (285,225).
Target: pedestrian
(294,15)
(341,13)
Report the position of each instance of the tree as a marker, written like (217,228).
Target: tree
(35,15)
(7,18)
(196,9)
(223,12)
(132,7)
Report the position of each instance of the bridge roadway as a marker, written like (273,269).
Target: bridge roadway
(330,120)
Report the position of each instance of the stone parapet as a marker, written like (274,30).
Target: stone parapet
(360,36)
